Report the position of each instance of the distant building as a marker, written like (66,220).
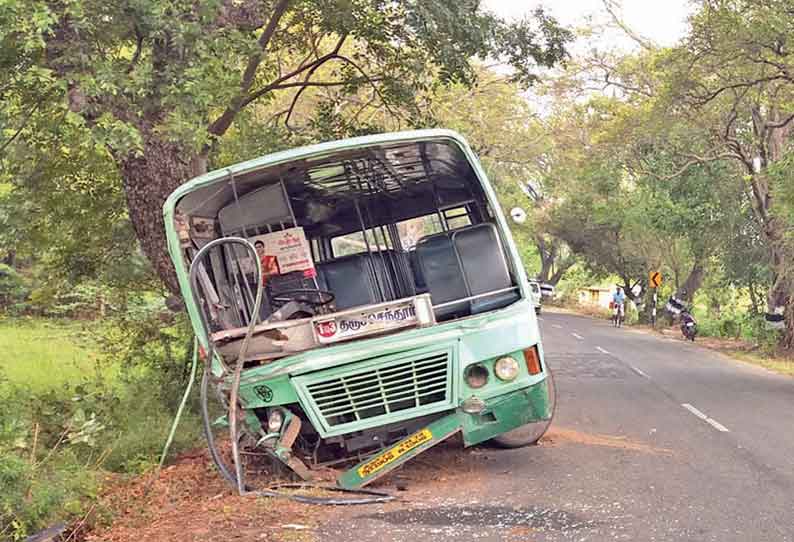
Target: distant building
(595,296)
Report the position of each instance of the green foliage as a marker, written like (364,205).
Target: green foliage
(104,101)
(13,290)
(35,496)
(44,479)
(578,276)
(73,408)
(170,62)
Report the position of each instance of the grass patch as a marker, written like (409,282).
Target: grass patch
(44,354)
(784,366)
(78,400)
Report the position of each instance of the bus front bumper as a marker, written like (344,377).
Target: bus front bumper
(495,416)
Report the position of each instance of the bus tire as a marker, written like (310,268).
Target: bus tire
(531,433)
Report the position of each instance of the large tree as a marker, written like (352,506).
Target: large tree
(734,75)
(512,140)
(159,83)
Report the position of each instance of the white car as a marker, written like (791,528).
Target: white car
(535,295)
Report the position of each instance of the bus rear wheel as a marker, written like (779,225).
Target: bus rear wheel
(530,434)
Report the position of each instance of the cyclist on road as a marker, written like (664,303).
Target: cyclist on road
(618,302)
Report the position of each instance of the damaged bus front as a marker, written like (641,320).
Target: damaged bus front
(361,301)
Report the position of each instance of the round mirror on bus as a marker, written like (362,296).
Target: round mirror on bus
(518,215)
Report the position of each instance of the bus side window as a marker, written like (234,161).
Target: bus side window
(457,218)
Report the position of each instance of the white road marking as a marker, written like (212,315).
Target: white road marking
(633,368)
(577,336)
(694,411)
(639,372)
(540,318)
(558,326)
(714,423)
(717,425)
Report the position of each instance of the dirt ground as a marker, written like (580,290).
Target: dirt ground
(189,501)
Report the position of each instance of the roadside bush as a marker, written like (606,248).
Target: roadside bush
(726,327)
(56,444)
(62,299)
(755,330)
(36,495)
(13,290)
(632,314)
(43,479)
(749,327)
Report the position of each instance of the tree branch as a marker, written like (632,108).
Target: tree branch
(371,81)
(608,82)
(781,124)
(138,48)
(303,84)
(693,161)
(307,83)
(312,67)
(703,100)
(25,122)
(222,123)
(646,44)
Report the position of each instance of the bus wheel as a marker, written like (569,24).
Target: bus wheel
(530,434)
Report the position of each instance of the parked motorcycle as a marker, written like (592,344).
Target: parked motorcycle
(689,326)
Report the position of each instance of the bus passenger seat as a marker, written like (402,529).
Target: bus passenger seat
(416,269)
(441,270)
(350,279)
(464,263)
(484,266)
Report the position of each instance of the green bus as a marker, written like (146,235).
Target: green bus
(358,302)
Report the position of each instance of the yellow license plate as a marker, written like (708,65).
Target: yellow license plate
(392,454)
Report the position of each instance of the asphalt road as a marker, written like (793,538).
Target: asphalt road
(654,439)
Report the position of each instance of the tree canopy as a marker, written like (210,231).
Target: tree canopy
(674,158)
(156,85)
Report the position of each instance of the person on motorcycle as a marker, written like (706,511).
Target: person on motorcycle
(618,302)
(689,326)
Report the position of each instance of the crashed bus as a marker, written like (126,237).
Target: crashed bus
(360,301)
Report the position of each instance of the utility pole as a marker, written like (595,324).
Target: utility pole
(653,309)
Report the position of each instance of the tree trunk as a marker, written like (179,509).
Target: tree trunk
(10,258)
(646,316)
(148,179)
(547,255)
(788,335)
(753,299)
(550,257)
(692,283)
(779,298)
(560,272)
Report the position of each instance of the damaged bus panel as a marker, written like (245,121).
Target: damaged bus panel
(360,301)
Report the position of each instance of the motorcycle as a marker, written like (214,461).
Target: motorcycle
(689,326)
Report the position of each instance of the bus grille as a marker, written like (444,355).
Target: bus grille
(385,388)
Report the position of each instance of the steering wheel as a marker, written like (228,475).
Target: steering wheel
(316,298)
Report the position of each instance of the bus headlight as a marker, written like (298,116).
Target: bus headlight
(476,376)
(506,369)
(275,420)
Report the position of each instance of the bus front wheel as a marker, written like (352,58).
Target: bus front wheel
(530,434)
